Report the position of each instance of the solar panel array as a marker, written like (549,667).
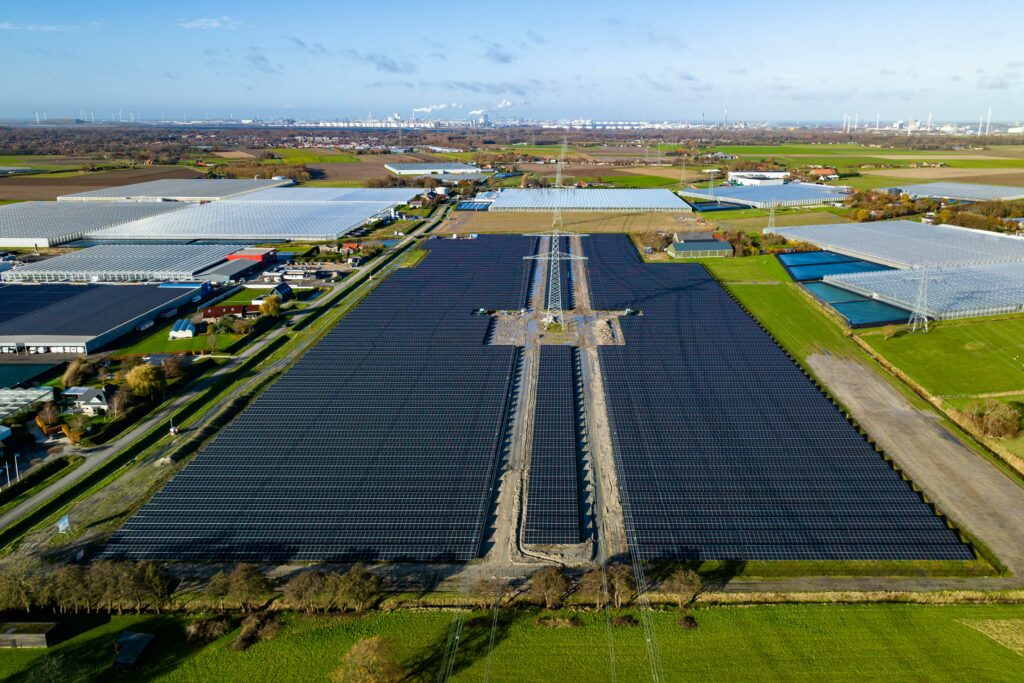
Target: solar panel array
(380,443)
(957,292)
(553,496)
(129,262)
(595,199)
(724,449)
(909,244)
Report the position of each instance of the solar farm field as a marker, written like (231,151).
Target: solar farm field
(380,443)
(807,642)
(724,449)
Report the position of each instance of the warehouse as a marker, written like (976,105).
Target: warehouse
(396,195)
(957,292)
(908,244)
(125,263)
(576,199)
(962,192)
(77,319)
(176,190)
(436,168)
(229,271)
(254,222)
(765,197)
(46,224)
(699,249)
(757,178)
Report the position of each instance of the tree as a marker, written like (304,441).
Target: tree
(246,585)
(592,587)
(241,326)
(491,590)
(146,381)
(171,366)
(155,583)
(271,307)
(622,583)
(79,423)
(104,582)
(994,418)
(78,371)
(685,584)
(550,584)
(306,591)
(371,660)
(67,590)
(217,589)
(49,415)
(119,402)
(21,584)
(356,588)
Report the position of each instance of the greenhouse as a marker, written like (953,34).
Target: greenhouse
(577,199)
(945,293)
(908,244)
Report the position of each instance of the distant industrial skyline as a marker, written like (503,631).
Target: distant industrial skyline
(801,61)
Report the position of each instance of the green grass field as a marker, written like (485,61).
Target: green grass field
(157,342)
(784,642)
(960,357)
(635,181)
(868,182)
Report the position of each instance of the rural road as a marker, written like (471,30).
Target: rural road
(96,457)
(964,486)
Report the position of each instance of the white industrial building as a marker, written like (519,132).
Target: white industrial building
(963,192)
(434,168)
(398,195)
(38,225)
(790,194)
(757,178)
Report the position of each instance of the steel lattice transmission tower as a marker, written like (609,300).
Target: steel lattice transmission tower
(554,256)
(919,316)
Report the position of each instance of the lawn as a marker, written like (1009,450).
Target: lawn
(960,357)
(778,642)
(157,342)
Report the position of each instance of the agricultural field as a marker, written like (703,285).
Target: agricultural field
(976,356)
(797,642)
(782,219)
(592,221)
(51,185)
(313,156)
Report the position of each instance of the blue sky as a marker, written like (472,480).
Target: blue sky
(654,60)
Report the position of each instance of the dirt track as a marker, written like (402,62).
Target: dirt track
(965,486)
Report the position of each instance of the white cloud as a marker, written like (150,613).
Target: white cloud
(207,23)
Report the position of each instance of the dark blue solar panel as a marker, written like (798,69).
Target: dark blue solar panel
(724,448)
(380,443)
(553,499)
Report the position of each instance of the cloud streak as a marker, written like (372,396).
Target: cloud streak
(210,23)
(382,62)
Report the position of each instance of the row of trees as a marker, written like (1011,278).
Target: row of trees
(102,586)
(598,586)
(994,418)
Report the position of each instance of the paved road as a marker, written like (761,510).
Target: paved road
(965,486)
(96,457)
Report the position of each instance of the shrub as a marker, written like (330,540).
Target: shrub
(688,622)
(625,620)
(205,631)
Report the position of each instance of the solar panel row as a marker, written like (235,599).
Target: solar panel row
(380,443)
(724,449)
(553,496)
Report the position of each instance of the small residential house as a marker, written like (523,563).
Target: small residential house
(824,173)
(282,291)
(85,400)
(183,329)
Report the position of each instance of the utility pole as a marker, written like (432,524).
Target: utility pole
(554,257)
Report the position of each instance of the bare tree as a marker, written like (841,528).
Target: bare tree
(356,588)
(622,583)
(217,589)
(685,584)
(171,366)
(246,585)
(551,585)
(119,402)
(48,414)
(592,587)
(306,591)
